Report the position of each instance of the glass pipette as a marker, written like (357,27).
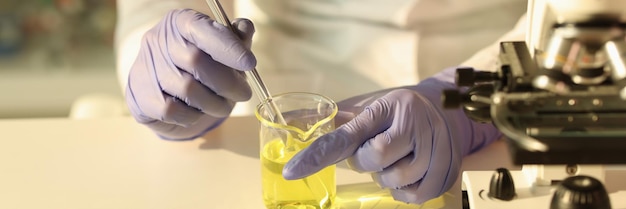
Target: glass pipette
(254,79)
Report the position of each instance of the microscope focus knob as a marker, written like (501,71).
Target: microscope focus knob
(451,98)
(464,77)
(468,77)
(501,186)
(580,192)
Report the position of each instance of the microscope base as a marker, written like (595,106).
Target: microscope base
(476,184)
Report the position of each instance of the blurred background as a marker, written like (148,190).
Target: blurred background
(53,52)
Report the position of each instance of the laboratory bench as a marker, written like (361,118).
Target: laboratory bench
(118,163)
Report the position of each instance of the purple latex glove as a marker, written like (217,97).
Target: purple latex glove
(403,137)
(188,74)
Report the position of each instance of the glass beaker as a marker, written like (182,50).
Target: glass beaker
(307,117)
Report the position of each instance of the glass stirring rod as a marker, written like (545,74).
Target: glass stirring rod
(254,80)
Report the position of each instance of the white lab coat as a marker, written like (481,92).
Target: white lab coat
(345,48)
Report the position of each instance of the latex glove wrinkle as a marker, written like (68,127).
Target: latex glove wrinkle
(188,74)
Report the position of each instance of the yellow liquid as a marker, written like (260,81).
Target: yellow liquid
(317,191)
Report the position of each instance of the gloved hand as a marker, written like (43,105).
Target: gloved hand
(189,74)
(403,137)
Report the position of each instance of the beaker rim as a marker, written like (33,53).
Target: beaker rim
(272,124)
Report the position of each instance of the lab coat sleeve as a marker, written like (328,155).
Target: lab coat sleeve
(429,11)
(377,11)
(397,13)
(135,17)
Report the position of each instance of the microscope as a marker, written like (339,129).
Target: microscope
(559,98)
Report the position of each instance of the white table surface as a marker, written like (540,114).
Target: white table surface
(116,163)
